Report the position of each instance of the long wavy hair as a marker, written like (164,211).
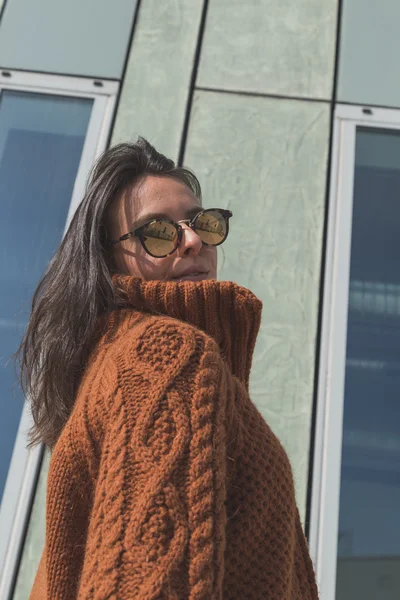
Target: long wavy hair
(77,288)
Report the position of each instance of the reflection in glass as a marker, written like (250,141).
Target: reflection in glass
(368,566)
(41,141)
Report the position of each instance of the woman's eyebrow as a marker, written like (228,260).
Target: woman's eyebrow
(144,218)
(192,212)
(148,217)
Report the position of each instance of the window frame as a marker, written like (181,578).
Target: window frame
(326,479)
(25,464)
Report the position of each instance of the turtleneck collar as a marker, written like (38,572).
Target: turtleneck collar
(225,311)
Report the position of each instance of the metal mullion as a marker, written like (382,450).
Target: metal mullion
(30,81)
(369,116)
(88,153)
(95,141)
(316,498)
(46,91)
(325,508)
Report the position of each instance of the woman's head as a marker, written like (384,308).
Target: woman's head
(129,184)
(162,201)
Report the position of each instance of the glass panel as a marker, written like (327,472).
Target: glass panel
(41,141)
(64,37)
(364,66)
(368,565)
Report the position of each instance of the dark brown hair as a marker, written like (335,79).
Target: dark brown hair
(77,288)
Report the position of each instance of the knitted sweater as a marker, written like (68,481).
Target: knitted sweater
(166,482)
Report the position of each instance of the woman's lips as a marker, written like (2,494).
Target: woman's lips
(192,277)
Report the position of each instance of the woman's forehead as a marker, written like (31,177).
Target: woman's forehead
(153,195)
(163,195)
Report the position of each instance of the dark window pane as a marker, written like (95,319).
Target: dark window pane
(368,565)
(41,141)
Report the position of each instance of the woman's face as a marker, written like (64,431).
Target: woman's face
(160,197)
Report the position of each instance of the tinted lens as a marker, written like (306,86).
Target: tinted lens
(211,227)
(160,238)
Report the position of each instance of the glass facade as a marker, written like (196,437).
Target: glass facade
(41,142)
(368,562)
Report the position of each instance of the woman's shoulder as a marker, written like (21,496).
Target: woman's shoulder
(140,357)
(157,340)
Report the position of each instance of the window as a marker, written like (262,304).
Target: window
(41,142)
(51,130)
(355,519)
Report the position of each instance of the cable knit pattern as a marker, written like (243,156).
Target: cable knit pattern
(166,482)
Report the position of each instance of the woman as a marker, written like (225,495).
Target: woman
(165,482)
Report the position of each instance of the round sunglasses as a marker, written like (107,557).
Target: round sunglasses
(161,237)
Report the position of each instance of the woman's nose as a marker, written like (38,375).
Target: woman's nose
(191,243)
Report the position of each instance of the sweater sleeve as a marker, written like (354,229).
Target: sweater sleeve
(157,528)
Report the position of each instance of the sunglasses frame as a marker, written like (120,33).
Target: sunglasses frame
(227,214)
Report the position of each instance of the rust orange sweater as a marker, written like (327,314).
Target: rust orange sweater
(166,482)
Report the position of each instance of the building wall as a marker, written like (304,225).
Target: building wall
(266,159)
(282,48)
(255,127)
(156,86)
(260,150)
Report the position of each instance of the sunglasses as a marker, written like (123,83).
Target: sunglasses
(161,237)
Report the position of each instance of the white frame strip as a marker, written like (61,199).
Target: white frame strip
(64,85)
(24,466)
(324,520)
